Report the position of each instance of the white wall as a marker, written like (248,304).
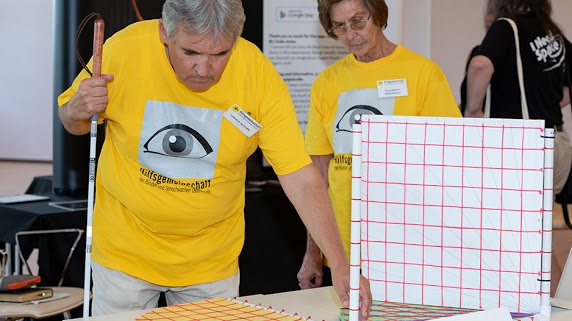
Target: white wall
(417,26)
(457,26)
(562,15)
(26,79)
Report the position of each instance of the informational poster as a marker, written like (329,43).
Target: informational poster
(300,49)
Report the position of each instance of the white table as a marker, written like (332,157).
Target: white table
(73,298)
(319,304)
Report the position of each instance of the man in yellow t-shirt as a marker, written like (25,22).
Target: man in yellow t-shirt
(377,77)
(186,101)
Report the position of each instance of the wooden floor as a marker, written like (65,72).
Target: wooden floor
(17,176)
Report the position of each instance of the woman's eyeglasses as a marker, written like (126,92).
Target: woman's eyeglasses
(341,28)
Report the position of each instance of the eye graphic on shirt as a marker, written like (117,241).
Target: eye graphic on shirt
(348,119)
(178,140)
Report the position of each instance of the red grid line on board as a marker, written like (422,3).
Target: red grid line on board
(386,197)
(449,227)
(216,309)
(454,186)
(533,149)
(459,247)
(531,211)
(443,217)
(501,201)
(462,216)
(521,218)
(389,311)
(467,288)
(451,267)
(366,213)
(423,217)
(410,122)
(534,191)
(520,212)
(405,213)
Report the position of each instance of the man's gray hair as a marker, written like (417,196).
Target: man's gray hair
(213,18)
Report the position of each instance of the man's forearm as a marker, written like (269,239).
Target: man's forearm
(75,127)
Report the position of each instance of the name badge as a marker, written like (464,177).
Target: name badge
(241,120)
(392,88)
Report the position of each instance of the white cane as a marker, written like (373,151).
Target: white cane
(99,27)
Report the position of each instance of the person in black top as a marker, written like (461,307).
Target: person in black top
(543,52)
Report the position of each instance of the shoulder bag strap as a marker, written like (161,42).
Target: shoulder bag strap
(568,70)
(524,105)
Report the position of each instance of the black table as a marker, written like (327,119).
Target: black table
(272,254)
(39,215)
(53,249)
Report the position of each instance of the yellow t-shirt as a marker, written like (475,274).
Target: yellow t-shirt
(349,87)
(169,204)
